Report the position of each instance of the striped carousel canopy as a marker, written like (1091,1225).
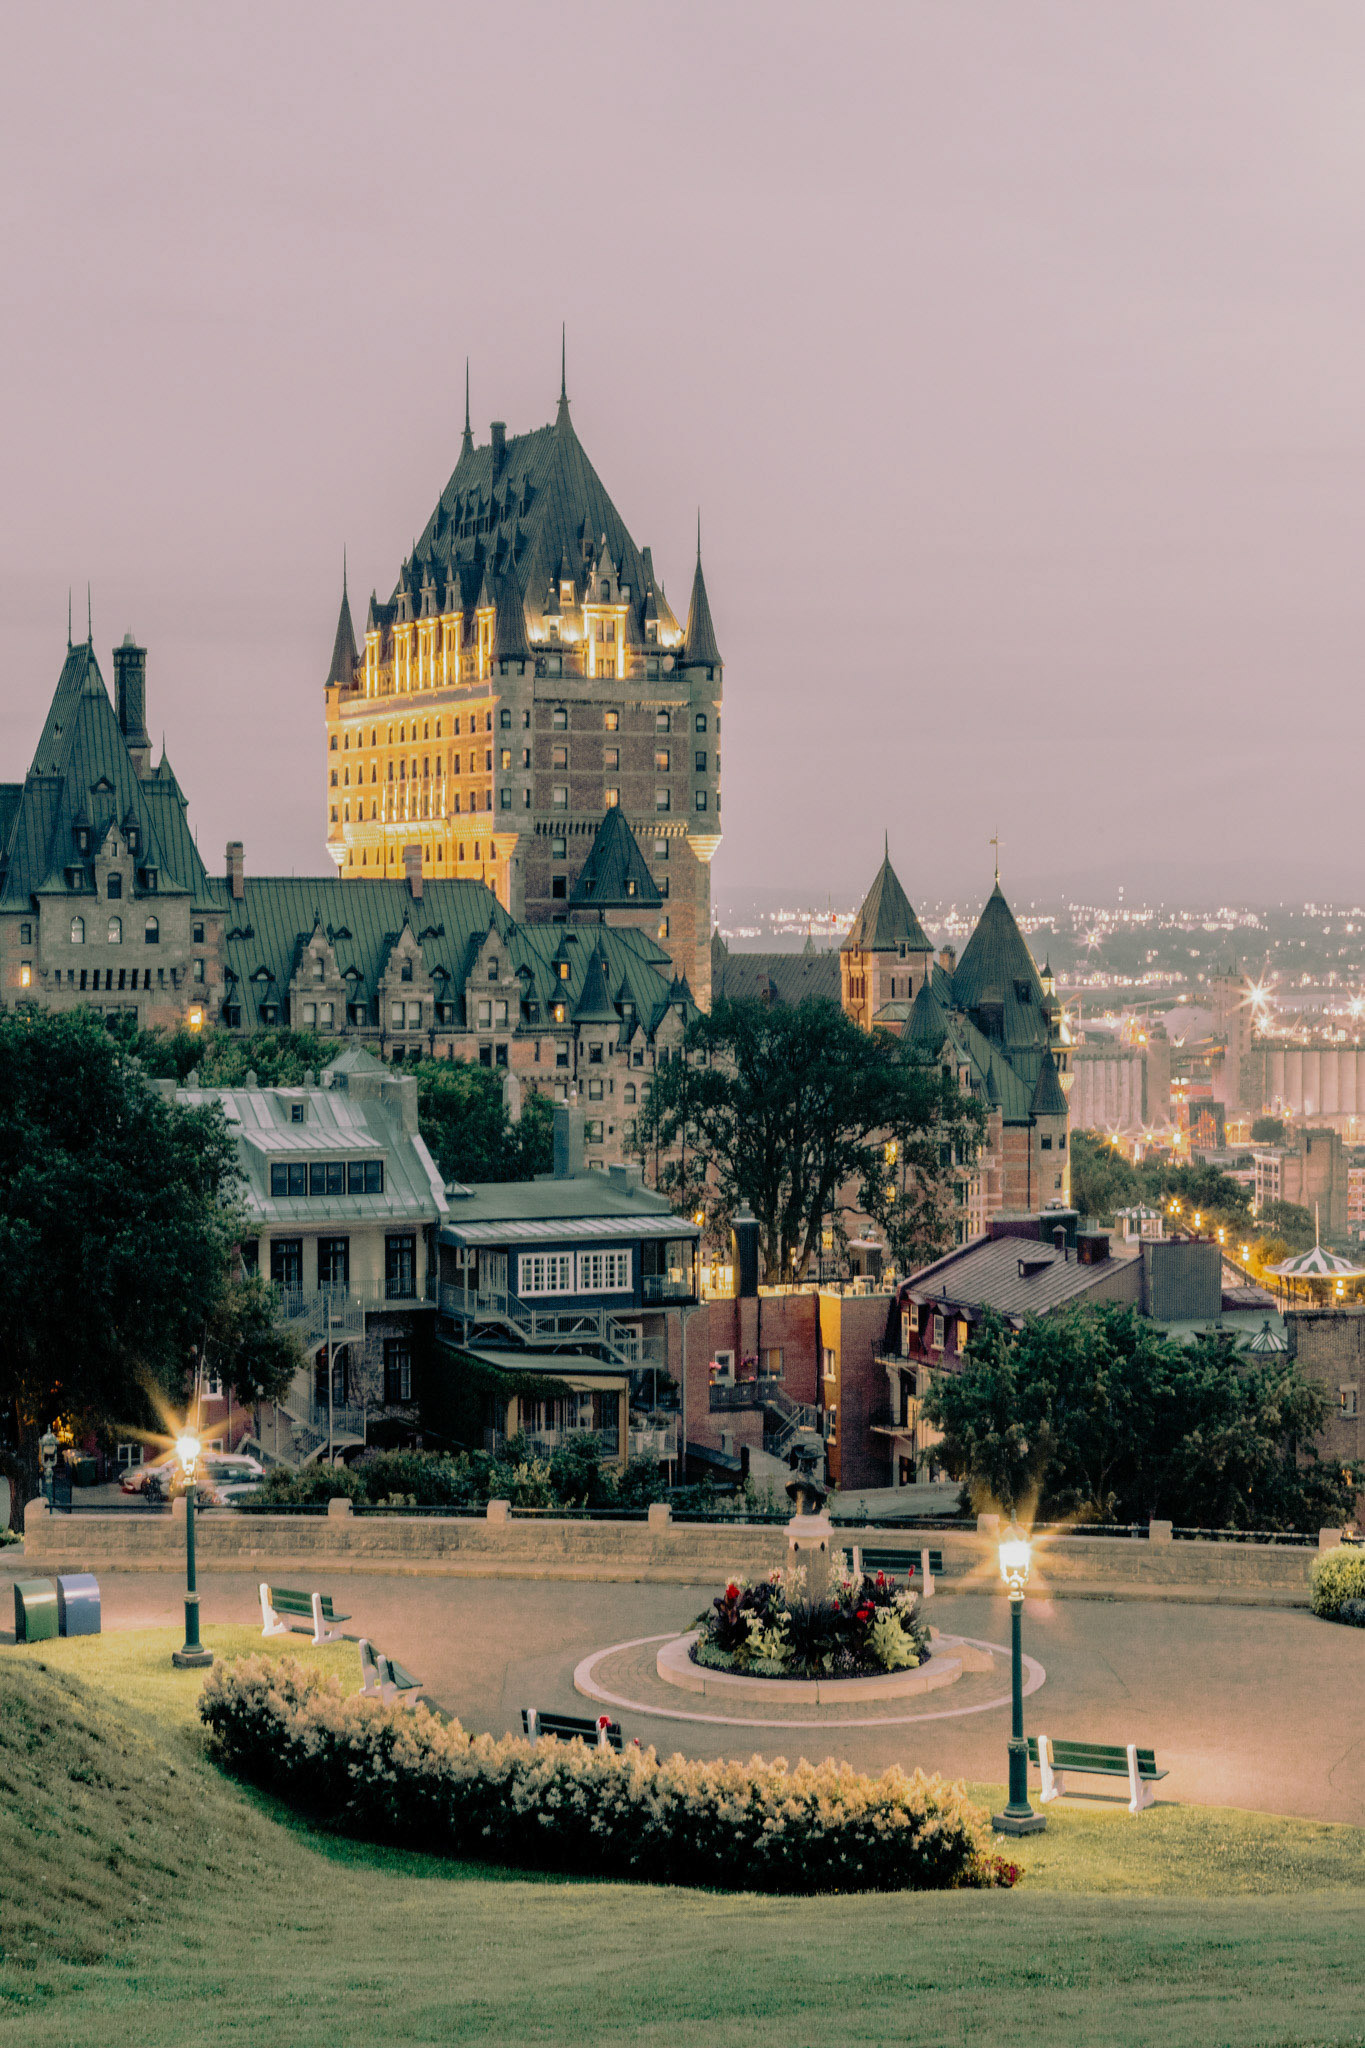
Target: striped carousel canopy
(1267,1342)
(1317,1265)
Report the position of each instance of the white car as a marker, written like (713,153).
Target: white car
(228,1478)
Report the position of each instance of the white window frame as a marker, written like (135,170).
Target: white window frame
(936,1332)
(544,1273)
(606,1271)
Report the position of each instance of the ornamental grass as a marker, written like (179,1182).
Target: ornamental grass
(411,1777)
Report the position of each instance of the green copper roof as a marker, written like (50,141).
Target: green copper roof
(699,642)
(344,657)
(928,1023)
(614,876)
(1048,1098)
(83,776)
(594,1005)
(886,922)
(996,980)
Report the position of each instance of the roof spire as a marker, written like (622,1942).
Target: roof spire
(886,843)
(995,842)
(467,445)
(562,416)
(699,536)
(89,620)
(68,618)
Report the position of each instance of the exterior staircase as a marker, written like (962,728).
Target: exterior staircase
(485,1313)
(783,1418)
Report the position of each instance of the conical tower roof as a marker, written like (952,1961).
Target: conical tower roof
(594,1005)
(927,1024)
(344,657)
(886,921)
(509,625)
(995,960)
(699,641)
(1048,1099)
(614,875)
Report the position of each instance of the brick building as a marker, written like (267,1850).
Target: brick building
(1328,1345)
(527,674)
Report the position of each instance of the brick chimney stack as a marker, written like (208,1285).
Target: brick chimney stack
(412,871)
(236,878)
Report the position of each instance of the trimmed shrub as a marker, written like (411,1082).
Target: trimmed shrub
(1338,1575)
(1352,1612)
(410,1776)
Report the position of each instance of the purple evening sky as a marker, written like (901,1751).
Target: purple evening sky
(1012,352)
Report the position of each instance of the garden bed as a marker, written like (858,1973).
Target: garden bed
(854,1626)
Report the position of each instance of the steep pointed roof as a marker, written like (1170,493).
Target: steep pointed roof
(614,875)
(927,1024)
(509,624)
(1048,1098)
(699,641)
(886,921)
(594,1005)
(344,657)
(996,972)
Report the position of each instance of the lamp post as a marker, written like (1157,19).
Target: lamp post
(1019,1817)
(48,1448)
(192,1653)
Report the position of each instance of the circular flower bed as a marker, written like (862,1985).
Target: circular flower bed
(858,1626)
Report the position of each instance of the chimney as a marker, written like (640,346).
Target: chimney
(412,871)
(947,959)
(1059,1239)
(235,879)
(498,435)
(744,1252)
(568,1139)
(130,691)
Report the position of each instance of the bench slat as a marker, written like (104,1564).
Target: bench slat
(1096,1759)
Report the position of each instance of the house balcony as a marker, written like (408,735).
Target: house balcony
(668,1287)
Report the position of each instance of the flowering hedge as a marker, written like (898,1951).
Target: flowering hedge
(1338,1576)
(410,1776)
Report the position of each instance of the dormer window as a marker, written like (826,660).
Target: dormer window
(113,887)
(82,839)
(134,839)
(405,972)
(494,970)
(148,878)
(319,967)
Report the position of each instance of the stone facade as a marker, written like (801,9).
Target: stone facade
(1328,1345)
(527,674)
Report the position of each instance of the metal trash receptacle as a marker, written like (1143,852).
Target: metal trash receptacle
(78,1604)
(35,1610)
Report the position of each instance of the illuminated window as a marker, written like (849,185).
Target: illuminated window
(116,931)
(559,719)
(613,798)
(662,800)
(662,722)
(78,931)
(151,932)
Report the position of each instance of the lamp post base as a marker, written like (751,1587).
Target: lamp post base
(1026,1823)
(193,1660)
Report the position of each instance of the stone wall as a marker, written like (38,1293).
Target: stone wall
(486,1546)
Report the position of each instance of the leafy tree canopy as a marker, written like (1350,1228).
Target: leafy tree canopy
(464,1120)
(117,1241)
(223,1059)
(1096,1414)
(1290,1223)
(1103,1181)
(794,1110)
(1267,1130)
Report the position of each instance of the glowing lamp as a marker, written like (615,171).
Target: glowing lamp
(25,976)
(1015,1553)
(187,1450)
(196,1020)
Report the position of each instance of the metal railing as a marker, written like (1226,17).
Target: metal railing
(668,1287)
(469,1306)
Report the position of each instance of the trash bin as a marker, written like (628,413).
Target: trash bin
(86,1472)
(35,1610)
(78,1604)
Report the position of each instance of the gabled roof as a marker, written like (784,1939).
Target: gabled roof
(886,921)
(1016,1276)
(83,773)
(699,642)
(344,657)
(614,876)
(772,977)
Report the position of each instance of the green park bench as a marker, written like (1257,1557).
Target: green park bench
(283,1610)
(898,1563)
(601,1733)
(1097,1759)
(383,1678)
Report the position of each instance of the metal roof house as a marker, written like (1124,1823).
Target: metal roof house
(580,1275)
(343,1202)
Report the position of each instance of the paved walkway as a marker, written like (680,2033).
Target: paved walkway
(1247,1706)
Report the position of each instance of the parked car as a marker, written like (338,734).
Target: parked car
(224,1479)
(135,1478)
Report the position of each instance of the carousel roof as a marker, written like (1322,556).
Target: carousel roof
(1267,1341)
(1317,1265)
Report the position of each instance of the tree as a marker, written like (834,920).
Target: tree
(463,1118)
(246,1346)
(1267,1130)
(1097,1414)
(1292,1224)
(791,1108)
(1102,1180)
(223,1059)
(117,1239)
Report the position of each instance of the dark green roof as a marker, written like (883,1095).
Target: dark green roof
(886,923)
(510,642)
(344,657)
(83,774)
(699,642)
(614,876)
(772,977)
(928,1024)
(594,1005)
(266,929)
(1048,1098)
(996,981)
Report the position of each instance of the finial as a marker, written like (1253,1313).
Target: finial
(995,842)
(699,535)
(343,570)
(466,394)
(89,619)
(68,618)
(563,362)
(886,844)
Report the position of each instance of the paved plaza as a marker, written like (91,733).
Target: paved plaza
(1246,1706)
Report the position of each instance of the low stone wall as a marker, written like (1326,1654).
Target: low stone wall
(497,1545)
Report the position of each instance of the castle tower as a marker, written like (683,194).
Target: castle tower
(887,954)
(527,675)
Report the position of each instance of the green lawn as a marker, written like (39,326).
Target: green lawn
(146,1899)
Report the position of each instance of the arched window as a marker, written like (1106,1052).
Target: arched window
(116,931)
(152,934)
(78,931)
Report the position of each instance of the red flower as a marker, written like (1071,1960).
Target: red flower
(732,1592)
(881,1578)
(866,1611)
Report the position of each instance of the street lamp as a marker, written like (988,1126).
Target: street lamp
(48,1447)
(192,1653)
(1019,1817)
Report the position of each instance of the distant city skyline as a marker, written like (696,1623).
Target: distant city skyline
(1019,393)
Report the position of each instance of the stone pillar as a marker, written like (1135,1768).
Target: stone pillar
(810,1541)
(1159,1532)
(1328,1539)
(988,1525)
(660,1515)
(499,1513)
(339,1510)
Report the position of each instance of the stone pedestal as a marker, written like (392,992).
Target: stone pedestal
(339,1510)
(810,1541)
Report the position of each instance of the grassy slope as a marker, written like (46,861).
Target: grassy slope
(143,1898)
